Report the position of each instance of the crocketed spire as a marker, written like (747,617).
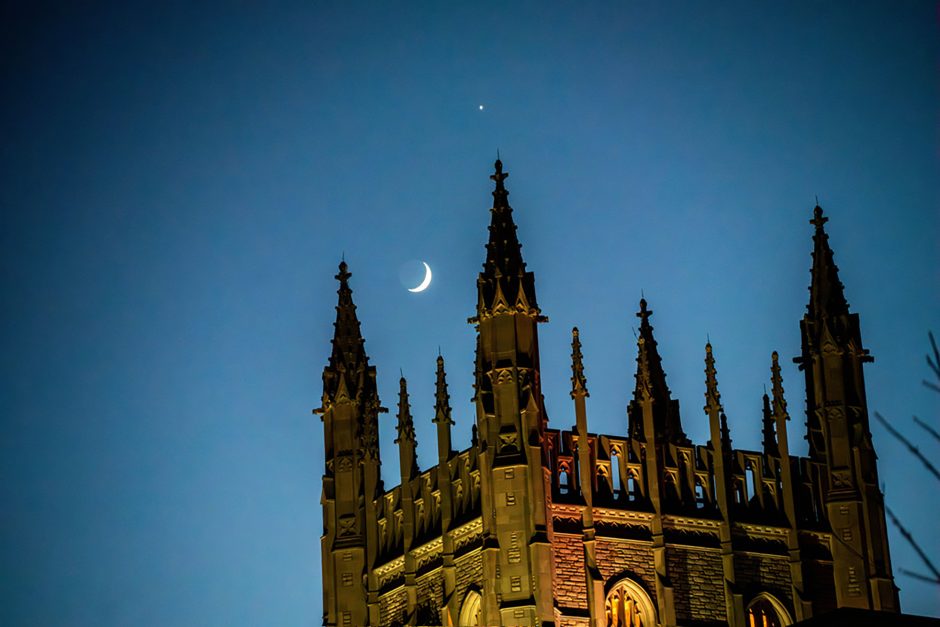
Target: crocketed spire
(651,381)
(441,397)
(504,286)
(442,413)
(406,440)
(713,399)
(578,380)
(826,292)
(770,435)
(348,376)
(503,251)
(348,346)
(780,403)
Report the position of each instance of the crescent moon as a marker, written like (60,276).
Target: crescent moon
(425,282)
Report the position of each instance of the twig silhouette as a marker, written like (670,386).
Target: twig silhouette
(933,363)
(913,449)
(927,428)
(923,556)
(911,573)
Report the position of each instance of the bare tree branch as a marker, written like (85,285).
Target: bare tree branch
(932,386)
(910,539)
(933,363)
(927,428)
(909,573)
(913,449)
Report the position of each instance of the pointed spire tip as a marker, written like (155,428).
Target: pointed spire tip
(818,218)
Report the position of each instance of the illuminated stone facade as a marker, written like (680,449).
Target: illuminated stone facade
(532,525)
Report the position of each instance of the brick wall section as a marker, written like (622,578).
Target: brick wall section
(615,556)
(569,585)
(763,573)
(392,606)
(469,573)
(697,579)
(431,594)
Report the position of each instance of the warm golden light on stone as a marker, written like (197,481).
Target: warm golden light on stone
(534,525)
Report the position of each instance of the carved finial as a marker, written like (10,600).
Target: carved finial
(442,411)
(578,380)
(818,218)
(344,274)
(644,313)
(499,176)
(712,396)
(406,441)
(474,436)
(406,427)
(713,399)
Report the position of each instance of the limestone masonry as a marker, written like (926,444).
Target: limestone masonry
(538,526)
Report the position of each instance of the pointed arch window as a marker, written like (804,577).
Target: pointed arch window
(700,497)
(616,472)
(633,485)
(471,610)
(628,605)
(765,610)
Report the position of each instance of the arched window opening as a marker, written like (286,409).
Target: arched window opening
(749,477)
(563,481)
(766,611)
(632,494)
(628,605)
(470,610)
(699,494)
(738,492)
(615,471)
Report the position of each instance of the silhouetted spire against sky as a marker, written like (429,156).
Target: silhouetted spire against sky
(441,397)
(827,295)
(503,251)
(578,380)
(770,438)
(348,344)
(651,378)
(406,440)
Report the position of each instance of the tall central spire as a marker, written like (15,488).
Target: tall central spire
(826,292)
(504,286)
(348,349)
(503,251)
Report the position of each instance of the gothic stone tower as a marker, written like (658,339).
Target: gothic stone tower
(537,526)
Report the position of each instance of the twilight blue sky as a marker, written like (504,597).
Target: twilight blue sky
(179,182)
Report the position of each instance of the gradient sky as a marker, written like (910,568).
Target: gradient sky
(179,183)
